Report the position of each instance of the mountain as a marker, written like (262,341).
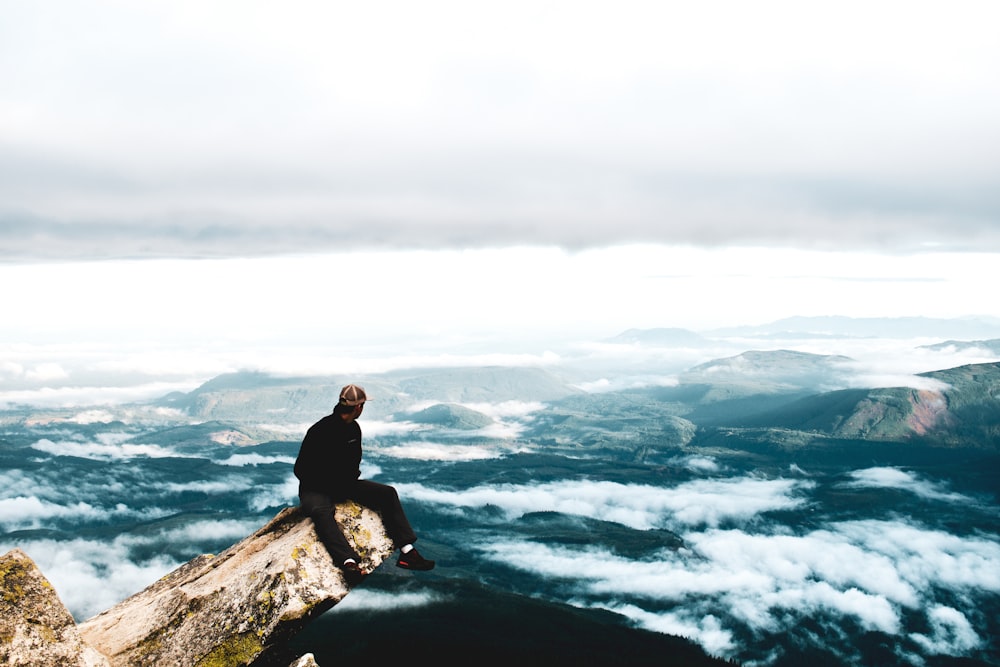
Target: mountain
(660,336)
(991,346)
(628,425)
(721,390)
(250,397)
(492,384)
(962,411)
(870,327)
(771,371)
(450,416)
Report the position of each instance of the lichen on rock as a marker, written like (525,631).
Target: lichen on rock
(36,629)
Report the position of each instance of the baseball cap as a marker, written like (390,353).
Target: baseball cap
(352,395)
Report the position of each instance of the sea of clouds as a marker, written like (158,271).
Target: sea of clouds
(740,572)
(744,571)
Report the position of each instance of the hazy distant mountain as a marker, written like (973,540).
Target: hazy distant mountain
(771,371)
(965,411)
(631,425)
(871,327)
(252,397)
(197,435)
(992,346)
(450,416)
(257,397)
(480,384)
(662,336)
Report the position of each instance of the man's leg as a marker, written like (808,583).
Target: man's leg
(384,499)
(320,508)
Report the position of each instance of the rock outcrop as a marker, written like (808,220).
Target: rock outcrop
(35,627)
(219,610)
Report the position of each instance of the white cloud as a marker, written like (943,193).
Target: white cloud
(10,369)
(818,556)
(368,601)
(430,451)
(92,576)
(890,380)
(703,464)
(951,633)
(895,478)
(195,532)
(210,486)
(101,450)
(701,502)
(509,430)
(92,417)
(374,428)
(503,313)
(370,469)
(870,571)
(46,372)
(506,409)
(253,459)
(276,495)
(707,630)
(73,396)
(931,557)
(24,512)
(604,385)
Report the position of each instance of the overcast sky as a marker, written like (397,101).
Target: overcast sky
(205,128)
(596,165)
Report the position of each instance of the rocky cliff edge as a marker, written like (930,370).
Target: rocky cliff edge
(214,611)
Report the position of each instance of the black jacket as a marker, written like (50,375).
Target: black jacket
(329,459)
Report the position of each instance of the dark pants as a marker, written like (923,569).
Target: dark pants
(379,497)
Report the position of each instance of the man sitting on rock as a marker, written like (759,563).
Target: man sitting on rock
(329,472)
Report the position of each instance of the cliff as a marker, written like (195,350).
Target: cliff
(223,610)
(959,410)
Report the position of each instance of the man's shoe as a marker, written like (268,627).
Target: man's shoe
(412,560)
(353,574)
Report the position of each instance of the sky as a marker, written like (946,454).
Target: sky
(324,173)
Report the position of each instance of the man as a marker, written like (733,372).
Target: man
(329,472)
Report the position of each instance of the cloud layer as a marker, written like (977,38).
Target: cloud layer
(701,502)
(755,576)
(170,130)
(751,565)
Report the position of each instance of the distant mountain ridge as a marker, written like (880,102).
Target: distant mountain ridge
(965,411)
(254,397)
(660,336)
(992,346)
(771,370)
(450,416)
(759,389)
(871,327)
(832,326)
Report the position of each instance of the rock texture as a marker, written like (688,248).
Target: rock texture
(36,629)
(308,660)
(214,611)
(230,608)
